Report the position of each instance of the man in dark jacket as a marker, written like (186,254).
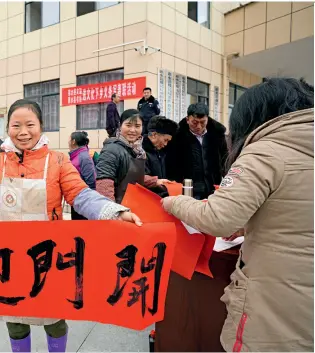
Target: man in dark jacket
(112,116)
(1,142)
(198,151)
(148,107)
(160,133)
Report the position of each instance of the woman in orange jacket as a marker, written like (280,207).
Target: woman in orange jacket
(33,180)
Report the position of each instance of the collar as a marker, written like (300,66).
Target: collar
(8,145)
(202,135)
(77,151)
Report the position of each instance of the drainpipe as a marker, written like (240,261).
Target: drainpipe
(226,58)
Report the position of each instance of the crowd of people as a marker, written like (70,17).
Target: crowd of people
(261,295)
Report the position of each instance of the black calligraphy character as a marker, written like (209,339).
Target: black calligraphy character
(137,293)
(5,255)
(156,263)
(42,264)
(125,268)
(77,261)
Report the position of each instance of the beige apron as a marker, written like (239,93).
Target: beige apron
(24,200)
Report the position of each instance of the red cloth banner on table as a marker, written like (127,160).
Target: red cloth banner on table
(130,88)
(105,271)
(147,206)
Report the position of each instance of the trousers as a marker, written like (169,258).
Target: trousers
(20,331)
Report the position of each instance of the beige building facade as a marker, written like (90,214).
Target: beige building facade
(188,52)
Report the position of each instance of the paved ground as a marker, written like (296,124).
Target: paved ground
(87,337)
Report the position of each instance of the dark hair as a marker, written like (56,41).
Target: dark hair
(131,114)
(80,138)
(198,110)
(147,89)
(162,125)
(114,95)
(264,102)
(28,104)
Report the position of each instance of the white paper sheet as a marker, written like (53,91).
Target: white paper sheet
(220,244)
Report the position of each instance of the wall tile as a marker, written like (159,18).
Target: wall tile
(87,25)
(15,46)
(32,41)
(31,77)
(15,65)
(49,73)
(111,61)
(255,14)
(181,45)
(154,12)
(303,24)
(50,36)
(16,26)
(85,47)
(181,24)
(234,22)
(168,18)
(14,84)
(3,68)
(87,66)
(67,74)
(68,10)
(277,9)
(50,56)
(111,18)
(278,32)
(168,42)
(67,30)
(254,39)
(134,12)
(67,52)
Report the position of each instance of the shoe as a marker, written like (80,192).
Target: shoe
(23,345)
(57,344)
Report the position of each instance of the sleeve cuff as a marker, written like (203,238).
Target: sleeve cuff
(111,211)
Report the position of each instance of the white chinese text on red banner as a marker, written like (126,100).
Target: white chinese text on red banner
(130,88)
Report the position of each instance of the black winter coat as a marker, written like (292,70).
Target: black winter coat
(204,164)
(114,160)
(148,109)
(1,142)
(112,119)
(155,164)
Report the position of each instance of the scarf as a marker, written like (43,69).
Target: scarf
(8,145)
(136,146)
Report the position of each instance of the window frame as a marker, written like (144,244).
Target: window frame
(41,100)
(41,17)
(99,127)
(95,7)
(198,95)
(208,13)
(235,88)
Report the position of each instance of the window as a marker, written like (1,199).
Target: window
(199,11)
(197,92)
(93,116)
(41,14)
(84,7)
(235,92)
(46,94)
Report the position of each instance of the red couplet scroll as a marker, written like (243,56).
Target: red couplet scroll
(105,271)
(206,252)
(147,206)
